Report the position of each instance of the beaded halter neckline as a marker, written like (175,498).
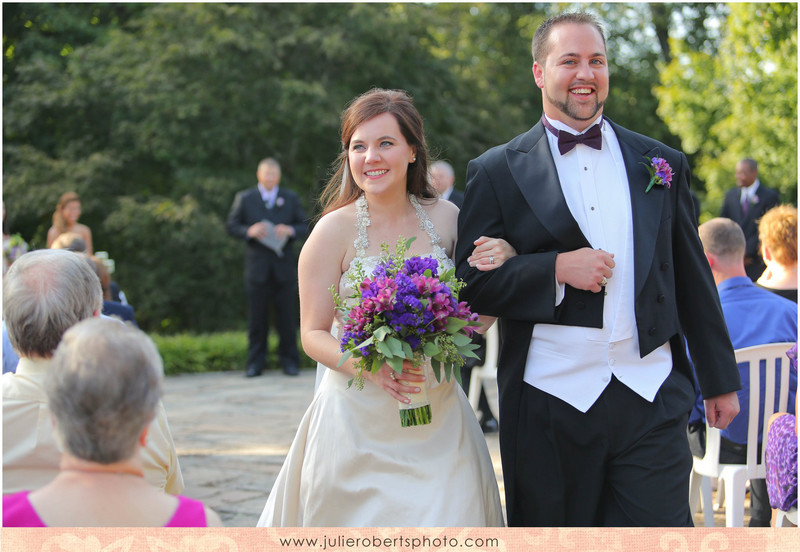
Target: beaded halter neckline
(361,242)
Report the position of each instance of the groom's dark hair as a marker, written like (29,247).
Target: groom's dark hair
(540,46)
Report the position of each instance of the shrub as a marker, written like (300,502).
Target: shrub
(214,352)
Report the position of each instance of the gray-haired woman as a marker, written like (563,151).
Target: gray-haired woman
(103,394)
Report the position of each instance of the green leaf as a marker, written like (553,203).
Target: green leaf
(431,349)
(396,346)
(381,333)
(454,324)
(377,362)
(384,349)
(408,352)
(461,340)
(396,363)
(437,369)
(345,356)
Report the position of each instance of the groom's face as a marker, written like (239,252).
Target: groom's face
(574,75)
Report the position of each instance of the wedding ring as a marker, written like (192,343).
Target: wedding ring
(603,282)
(491,259)
(391,375)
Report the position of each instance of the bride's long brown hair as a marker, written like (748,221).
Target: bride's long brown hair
(366,106)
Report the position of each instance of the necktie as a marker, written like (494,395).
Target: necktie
(745,204)
(567,141)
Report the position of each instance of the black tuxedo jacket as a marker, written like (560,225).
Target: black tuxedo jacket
(513,192)
(260,261)
(732,209)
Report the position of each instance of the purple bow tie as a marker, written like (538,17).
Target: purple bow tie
(567,141)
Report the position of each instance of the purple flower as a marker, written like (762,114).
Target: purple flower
(418,265)
(792,354)
(660,172)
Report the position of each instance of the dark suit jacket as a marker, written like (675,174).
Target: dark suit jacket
(456,198)
(732,209)
(260,261)
(513,192)
(123,312)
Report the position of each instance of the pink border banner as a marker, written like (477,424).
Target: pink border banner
(399,540)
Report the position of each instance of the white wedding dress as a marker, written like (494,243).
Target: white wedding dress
(352,465)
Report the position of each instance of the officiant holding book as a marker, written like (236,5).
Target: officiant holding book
(269,219)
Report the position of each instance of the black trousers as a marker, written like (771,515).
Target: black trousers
(623,463)
(262,297)
(735,453)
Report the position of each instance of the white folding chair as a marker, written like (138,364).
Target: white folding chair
(734,477)
(488,371)
(783,517)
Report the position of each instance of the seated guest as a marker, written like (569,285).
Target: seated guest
(104,390)
(781,456)
(69,241)
(111,308)
(45,292)
(777,231)
(72,241)
(754,316)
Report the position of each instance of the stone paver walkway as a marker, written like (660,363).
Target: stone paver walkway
(233,433)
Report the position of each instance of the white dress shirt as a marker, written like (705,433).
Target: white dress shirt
(268,196)
(749,192)
(576,363)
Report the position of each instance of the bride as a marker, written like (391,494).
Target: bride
(351,463)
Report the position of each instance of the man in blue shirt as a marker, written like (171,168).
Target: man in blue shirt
(754,316)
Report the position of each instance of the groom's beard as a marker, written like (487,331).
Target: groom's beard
(573,111)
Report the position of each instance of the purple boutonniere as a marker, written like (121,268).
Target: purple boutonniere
(279,202)
(660,172)
(754,200)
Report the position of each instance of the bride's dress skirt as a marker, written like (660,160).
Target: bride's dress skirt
(352,465)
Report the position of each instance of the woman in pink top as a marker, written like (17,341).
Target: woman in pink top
(103,392)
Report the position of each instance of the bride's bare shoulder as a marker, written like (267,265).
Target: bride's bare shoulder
(342,220)
(334,232)
(441,211)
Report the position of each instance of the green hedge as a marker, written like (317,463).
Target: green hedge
(213,352)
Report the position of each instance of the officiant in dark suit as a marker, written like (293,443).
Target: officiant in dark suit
(595,385)
(746,204)
(269,219)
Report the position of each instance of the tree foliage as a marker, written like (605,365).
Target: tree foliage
(156,114)
(740,101)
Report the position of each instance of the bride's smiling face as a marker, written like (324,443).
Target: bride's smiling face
(379,155)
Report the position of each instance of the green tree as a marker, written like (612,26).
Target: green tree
(159,119)
(740,101)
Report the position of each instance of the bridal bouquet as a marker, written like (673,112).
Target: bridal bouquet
(406,310)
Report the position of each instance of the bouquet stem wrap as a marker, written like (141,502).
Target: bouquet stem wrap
(418,411)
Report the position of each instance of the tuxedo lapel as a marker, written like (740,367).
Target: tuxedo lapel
(531,164)
(646,208)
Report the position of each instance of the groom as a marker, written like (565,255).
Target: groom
(594,380)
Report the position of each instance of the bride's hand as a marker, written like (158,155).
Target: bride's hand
(394,383)
(490,253)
